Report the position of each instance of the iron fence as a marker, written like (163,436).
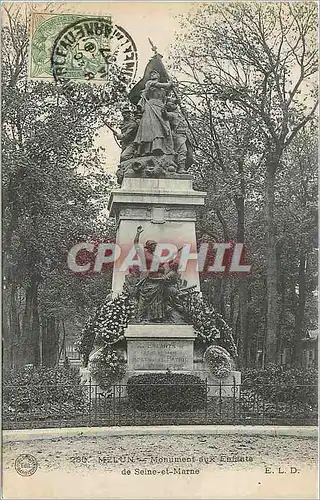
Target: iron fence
(89,405)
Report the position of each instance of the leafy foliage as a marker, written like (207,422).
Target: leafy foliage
(43,393)
(276,385)
(106,327)
(55,188)
(166,392)
(249,89)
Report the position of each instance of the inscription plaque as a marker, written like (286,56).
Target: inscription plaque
(155,354)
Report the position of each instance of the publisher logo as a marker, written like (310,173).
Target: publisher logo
(26,465)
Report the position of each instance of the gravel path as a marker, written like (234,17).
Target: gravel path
(168,458)
(110,453)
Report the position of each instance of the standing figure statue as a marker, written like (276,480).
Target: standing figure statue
(129,129)
(181,140)
(154,134)
(151,303)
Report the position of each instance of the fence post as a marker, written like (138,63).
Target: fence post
(16,413)
(234,398)
(119,404)
(240,400)
(90,401)
(114,403)
(134,410)
(220,399)
(263,402)
(96,402)
(60,409)
(206,404)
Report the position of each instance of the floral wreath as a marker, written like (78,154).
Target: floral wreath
(218,360)
(100,337)
(209,325)
(105,329)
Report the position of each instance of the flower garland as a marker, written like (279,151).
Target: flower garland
(107,326)
(218,360)
(210,325)
(112,320)
(105,329)
(107,367)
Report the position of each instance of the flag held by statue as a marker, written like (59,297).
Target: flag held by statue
(155,64)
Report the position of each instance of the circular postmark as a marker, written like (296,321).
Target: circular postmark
(26,465)
(93,49)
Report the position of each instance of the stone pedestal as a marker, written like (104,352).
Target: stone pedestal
(166,208)
(158,348)
(85,375)
(226,387)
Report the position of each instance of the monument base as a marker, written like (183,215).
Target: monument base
(160,347)
(226,388)
(163,348)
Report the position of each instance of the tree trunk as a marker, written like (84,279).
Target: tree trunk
(299,316)
(30,326)
(222,303)
(243,305)
(281,284)
(219,296)
(50,343)
(243,287)
(248,344)
(14,330)
(272,309)
(63,343)
(281,316)
(232,320)
(44,325)
(36,329)
(8,328)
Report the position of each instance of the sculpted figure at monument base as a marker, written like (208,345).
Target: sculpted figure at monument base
(158,293)
(147,166)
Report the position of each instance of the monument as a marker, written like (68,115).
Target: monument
(155,208)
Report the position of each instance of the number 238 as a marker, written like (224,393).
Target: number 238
(79,459)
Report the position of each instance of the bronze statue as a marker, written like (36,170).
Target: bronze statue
(155,143)
(154,134)
(151,306)
(180,135)
(131,281)
(158,290)
(129,129)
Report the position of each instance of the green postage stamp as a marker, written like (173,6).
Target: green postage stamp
(80,48)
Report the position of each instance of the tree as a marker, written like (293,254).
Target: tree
(296,216)
(50,201)
(260,60)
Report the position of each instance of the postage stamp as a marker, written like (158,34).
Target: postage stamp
(75,47)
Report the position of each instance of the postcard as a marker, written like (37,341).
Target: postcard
(159,166)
